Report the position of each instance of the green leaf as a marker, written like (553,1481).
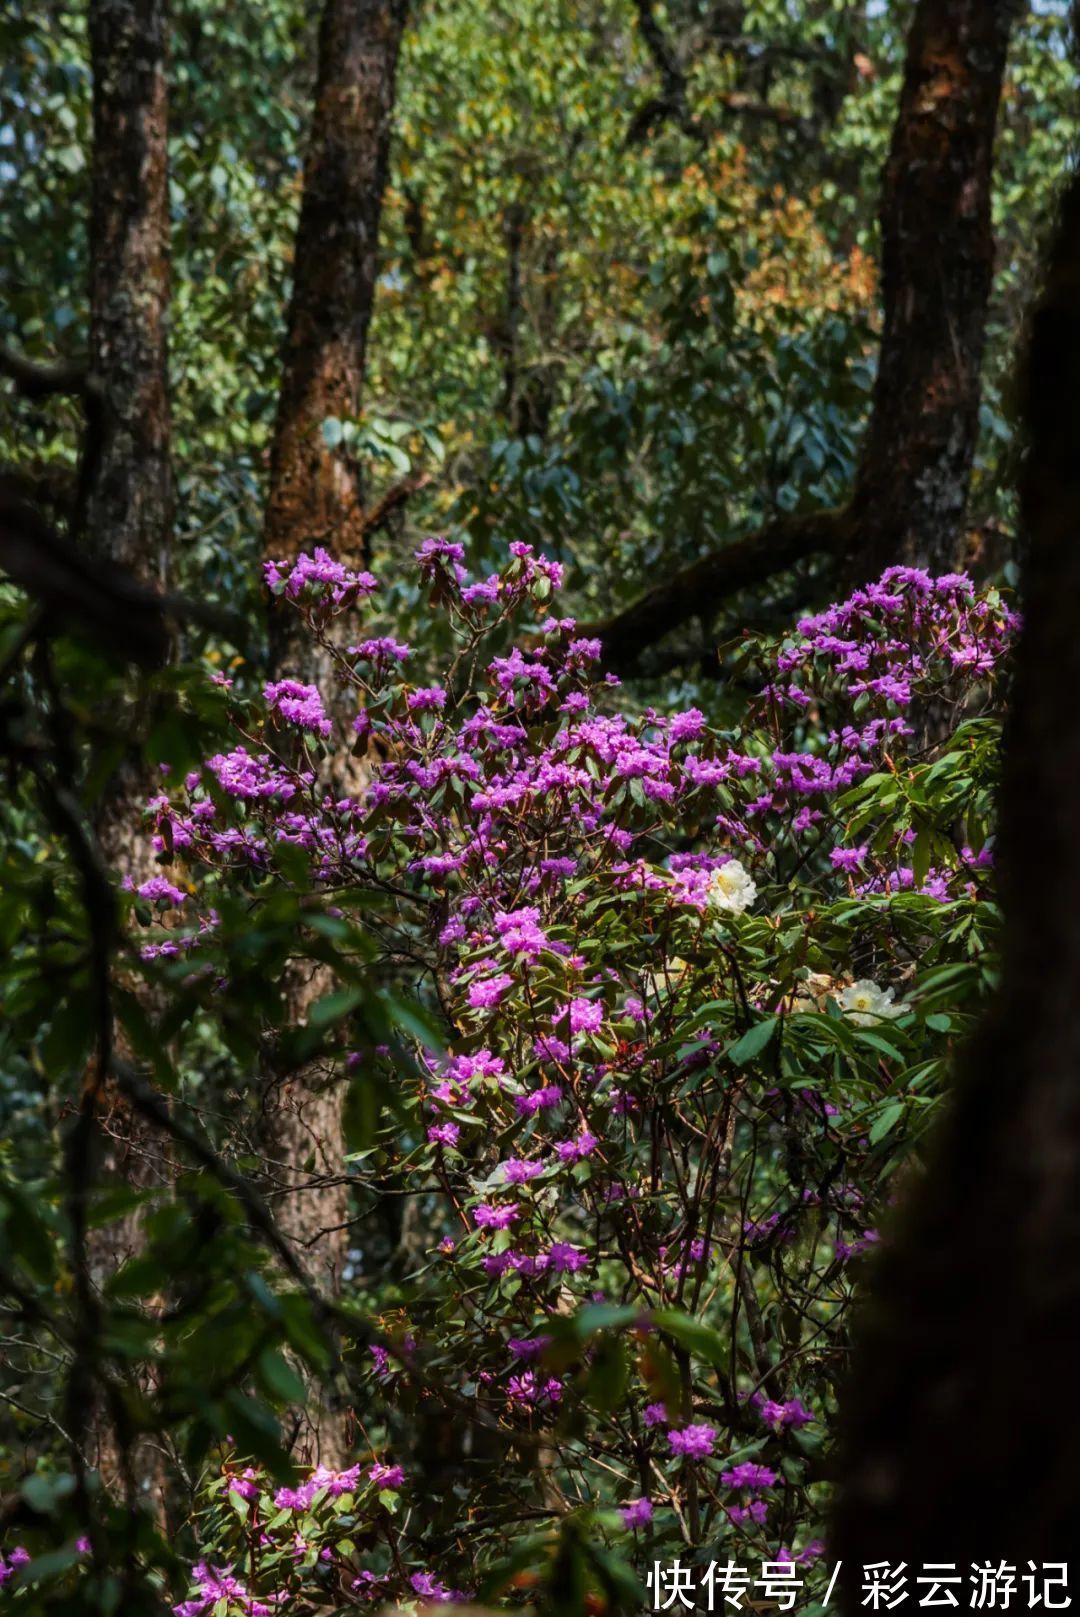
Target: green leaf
(26,1234)
(886,1121)
(603,1317)
(691,1333)
(753,1041)
(279,1378)
(876,1042)
(529,1553)
(332,1007)
(608,1375)
(256,1431)
(414,1019)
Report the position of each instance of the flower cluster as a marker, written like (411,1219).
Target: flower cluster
(288,1544)
(687,988)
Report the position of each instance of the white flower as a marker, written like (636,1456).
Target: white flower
(865,1003)
(731,888)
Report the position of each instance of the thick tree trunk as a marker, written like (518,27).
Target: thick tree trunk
(958,1444)
(131,500)
(937,269)
(315,496)
(129,513)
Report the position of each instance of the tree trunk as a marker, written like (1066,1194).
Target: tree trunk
(129,517)
(937,269)
(959,1442)
(302,1139)
(315,495)
(315,498)
(131,500)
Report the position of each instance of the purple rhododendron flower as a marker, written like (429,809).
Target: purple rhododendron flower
(496,1218)
(749,1475)
(158,889)
(432,699)
(586,1016)
(246,1485)
(696,1442)
(530,1348)
(484,995)
(300,704)
(516,1171)
(793,1414)
(566,1259)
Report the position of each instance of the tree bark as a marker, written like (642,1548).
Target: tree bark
(315,494)
(302,1137)
(937,269)
(911,486)
(956,1444)
(131,499)
(315,498)
(129,521)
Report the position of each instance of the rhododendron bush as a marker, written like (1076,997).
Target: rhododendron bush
(685,1001)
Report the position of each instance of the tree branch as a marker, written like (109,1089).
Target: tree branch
(674,103)
(662,52)
(36,380)
(99,598)
(394,498)
(699,588)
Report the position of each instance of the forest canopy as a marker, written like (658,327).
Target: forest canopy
(535,640)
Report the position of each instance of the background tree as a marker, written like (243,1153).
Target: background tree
(131,502)
(909,501)
(315,495)
(127,483)
(316,499)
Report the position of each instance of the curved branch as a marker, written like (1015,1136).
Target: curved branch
(103,600)
(666,61)
(36,379)
(700,588)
